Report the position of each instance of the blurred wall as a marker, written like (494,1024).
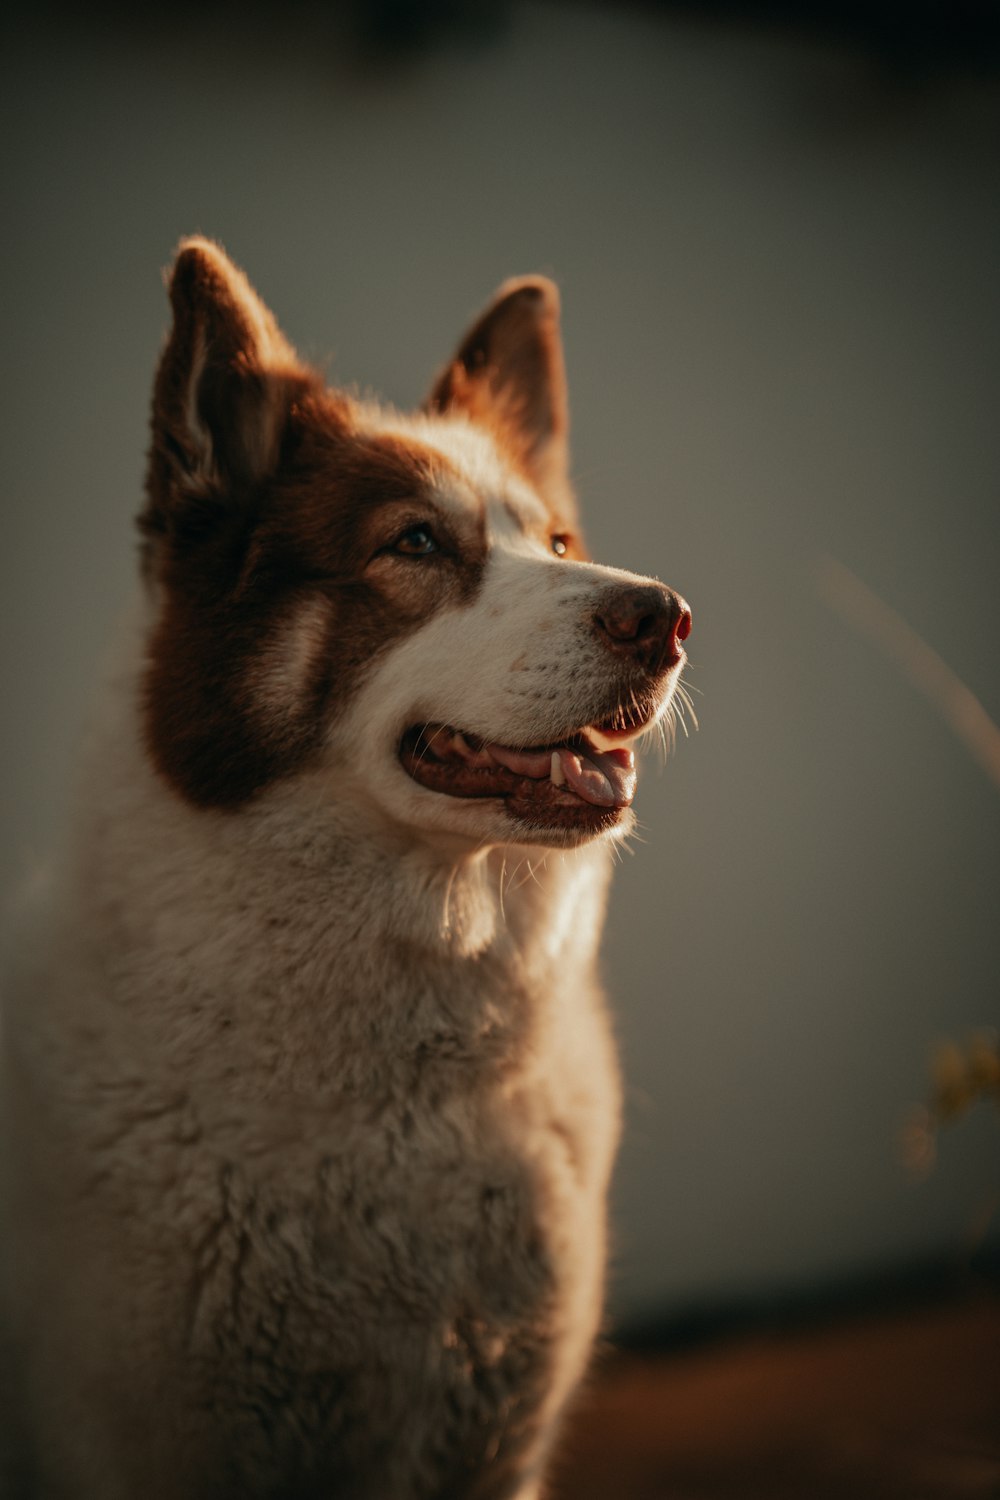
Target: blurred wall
(779,271)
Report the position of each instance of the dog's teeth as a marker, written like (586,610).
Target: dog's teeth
(438,742)
(479,758)
(556,773)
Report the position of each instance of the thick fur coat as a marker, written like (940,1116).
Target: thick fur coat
(309,1096)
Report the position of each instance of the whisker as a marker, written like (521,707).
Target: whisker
(503,871)
(426,748)
(669,728)
(687,703)
(680,716)
(531,875)
(447,898)
(513,876)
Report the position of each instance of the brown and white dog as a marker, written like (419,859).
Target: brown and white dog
(309,1090)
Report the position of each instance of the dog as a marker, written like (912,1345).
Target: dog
(309,1090)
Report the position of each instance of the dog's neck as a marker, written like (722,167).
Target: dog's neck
(258,944)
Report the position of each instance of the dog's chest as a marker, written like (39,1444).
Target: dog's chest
(362,1187)
(438,1247)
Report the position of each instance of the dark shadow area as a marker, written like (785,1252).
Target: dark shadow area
(892,1405)
(910,42)
(890,1291)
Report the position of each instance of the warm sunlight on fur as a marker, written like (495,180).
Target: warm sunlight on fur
(310,1080)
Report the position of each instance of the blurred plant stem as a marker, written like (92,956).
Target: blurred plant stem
(960,1077)
(958,705)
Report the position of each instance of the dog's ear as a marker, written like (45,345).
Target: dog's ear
(508,375)
(224,388)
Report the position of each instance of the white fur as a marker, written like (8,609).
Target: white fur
(311,1107)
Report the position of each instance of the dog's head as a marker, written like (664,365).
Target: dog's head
(401,605)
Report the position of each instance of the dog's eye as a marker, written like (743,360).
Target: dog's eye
(417,541)
(559,545)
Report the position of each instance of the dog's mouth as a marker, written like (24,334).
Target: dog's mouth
(587,779)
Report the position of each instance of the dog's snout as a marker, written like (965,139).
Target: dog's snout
(646,623)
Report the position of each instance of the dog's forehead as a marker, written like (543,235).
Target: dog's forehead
(517,516)
(472,480)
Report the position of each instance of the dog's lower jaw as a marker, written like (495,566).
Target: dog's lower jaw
(567,828)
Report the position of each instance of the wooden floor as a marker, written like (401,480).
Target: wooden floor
(905,1407)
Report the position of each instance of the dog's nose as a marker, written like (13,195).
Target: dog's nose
(646,623)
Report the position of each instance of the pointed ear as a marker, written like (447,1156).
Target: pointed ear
(508,375)
(224,387)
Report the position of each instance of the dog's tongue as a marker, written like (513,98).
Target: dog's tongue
(605,778)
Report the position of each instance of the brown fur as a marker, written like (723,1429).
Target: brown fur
(508,376)
(242,540)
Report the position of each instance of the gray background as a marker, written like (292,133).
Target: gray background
(780,280)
